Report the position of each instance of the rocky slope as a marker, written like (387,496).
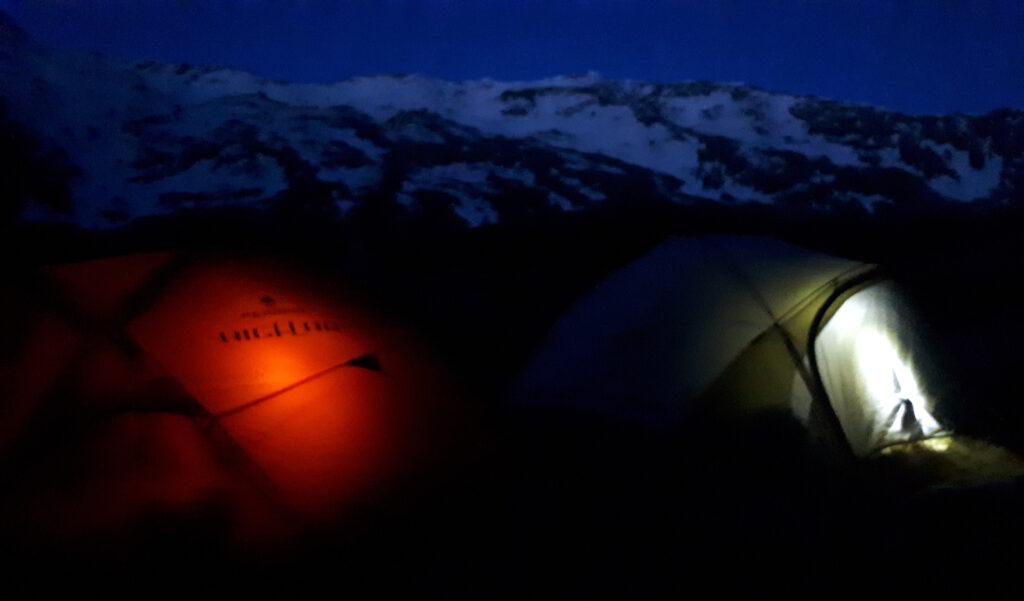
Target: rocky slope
(99,142)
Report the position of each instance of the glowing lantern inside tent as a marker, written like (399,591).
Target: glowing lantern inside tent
(222,379)
(866,360)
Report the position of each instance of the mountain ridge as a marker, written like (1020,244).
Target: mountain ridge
(130,140)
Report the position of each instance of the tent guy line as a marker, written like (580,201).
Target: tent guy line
(365,361)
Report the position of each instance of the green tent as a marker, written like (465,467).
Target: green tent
(744,325)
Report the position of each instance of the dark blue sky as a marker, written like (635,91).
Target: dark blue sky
(933,56)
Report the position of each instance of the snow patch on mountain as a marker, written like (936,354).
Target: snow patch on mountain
(557,200)
(869,202)
(967,183)
(464,182)
(729,190)
(144,138)
(472,173)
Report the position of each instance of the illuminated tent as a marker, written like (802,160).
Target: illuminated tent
(163,384)
(724,324)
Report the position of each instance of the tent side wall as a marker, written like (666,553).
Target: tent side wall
(698,322)
(773,374)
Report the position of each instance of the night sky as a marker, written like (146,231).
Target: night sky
(918,57)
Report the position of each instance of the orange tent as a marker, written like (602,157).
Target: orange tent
(162,384)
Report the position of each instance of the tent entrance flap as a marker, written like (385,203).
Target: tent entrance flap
(869,361)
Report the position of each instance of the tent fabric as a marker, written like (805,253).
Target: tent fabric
(762,378)
(869,357)
(101,288)
(661,332)
(209,382)
(268,358)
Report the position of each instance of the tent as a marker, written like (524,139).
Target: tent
(229,389)
(739,326)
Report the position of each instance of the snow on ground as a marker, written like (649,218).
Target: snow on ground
(65,93)
(206,177)
(557,200)
(868,201)
(464,181)
(582,188)
(473,210)
(758,120)
(561,117)
(360,180)
(970,183)
(695,187)
(585,126)
(472,173)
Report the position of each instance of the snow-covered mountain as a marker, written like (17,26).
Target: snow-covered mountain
(99,141)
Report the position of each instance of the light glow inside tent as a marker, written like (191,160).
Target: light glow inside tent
(261,397)
(286,398)
(265,355)
(869,374)
(892,385)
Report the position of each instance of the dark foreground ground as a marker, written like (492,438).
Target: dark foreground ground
(538,502)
